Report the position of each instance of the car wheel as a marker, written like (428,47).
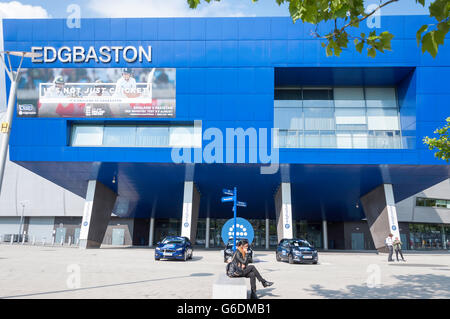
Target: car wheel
(191,254)
(156,258)
(291,259)
(278,256)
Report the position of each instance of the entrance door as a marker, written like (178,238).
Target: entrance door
(60,235)
(118,236)
(358,241)
(403,240)
(76,236)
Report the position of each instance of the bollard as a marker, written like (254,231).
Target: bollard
(62,241)
(70,240)
(43,241)
(23,239)
(34,240)
(53,241)
(12,239)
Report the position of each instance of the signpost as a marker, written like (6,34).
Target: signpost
(232,197)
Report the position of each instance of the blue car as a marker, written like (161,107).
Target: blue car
(296,251)
(174,247)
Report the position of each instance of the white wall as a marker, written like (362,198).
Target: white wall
(407,211)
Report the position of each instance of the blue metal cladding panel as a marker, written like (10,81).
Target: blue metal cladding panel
(225,77)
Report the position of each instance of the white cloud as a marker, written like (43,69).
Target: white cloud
(17,10)
(161,8)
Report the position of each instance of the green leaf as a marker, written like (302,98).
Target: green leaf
(419,33)
(371,52)
(429,44)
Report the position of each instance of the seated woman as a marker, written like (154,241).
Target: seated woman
(238,267)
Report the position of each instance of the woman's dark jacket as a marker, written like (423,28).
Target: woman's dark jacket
(234,268)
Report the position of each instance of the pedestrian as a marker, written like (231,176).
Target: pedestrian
(398,248)
(389,244)
(238,267)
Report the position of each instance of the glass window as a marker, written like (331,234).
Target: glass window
(351,116)
(319,119)
(182,137)
(287,118)
(152,136)
(349,97)
(120,136)
(317,98)
(344,139)
(381,97)
(288,103)
(288,94)
(87,135)
(364,118)
(312,139)
(327,139)
(383,119)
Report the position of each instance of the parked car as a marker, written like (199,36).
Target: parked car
(174,247)
(296,251)
(228,251)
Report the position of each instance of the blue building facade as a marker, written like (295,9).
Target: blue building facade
(229,72)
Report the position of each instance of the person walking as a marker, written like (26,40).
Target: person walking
(238,267)
(398,248)
(389,243)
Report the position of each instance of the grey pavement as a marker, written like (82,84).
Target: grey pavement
(60,272)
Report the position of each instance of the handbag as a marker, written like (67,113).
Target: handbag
(232,268)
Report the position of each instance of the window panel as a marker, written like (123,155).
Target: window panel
(312,139)
(288,94)
(349,97)
(382,119)
(153,136)
(287,103)
(319,119)
(87,135)
(318,98)
(285,118)
(350,116)
(381,97)
(181,137)
(119,136)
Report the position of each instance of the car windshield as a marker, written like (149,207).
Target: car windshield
(299,243)
(173,241)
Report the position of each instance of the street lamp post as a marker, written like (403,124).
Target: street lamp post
(6,123)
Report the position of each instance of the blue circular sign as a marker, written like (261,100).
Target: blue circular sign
(85,224)
(287,226)
(243,230)
(393,227)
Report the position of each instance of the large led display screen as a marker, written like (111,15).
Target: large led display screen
(97,93)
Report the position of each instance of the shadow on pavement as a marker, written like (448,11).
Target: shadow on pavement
(266,292)
(410,286)
(202,274)
(417,265)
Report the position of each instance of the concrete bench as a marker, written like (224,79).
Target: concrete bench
(229,288)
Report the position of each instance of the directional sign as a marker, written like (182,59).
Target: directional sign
(228,192)
(227,199)
(242,204)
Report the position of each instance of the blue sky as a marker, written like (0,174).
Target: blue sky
(165,8)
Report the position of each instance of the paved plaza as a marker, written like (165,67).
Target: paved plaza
(129,272)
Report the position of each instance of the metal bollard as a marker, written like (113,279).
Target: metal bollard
(34,240)
(12,239)
(70,240)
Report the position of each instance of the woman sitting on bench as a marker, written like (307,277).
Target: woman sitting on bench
(238,267)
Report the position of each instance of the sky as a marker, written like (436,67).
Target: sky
(169,8)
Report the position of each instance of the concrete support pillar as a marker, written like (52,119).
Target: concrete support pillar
(207,232)
(267,233)
(283,209)
(98,207)
(151,232)
(325,234)
(381,214)
(444,239)
(191,205)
